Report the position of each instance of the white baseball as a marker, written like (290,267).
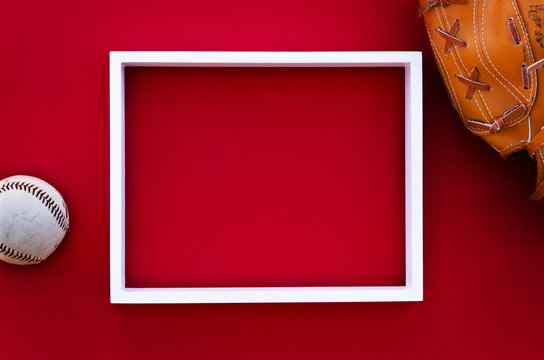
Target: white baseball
(33,220)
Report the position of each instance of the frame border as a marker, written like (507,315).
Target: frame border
(412,291)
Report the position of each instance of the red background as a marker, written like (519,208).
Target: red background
(264,177)
(483,250)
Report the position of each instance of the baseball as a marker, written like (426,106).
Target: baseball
(33,220)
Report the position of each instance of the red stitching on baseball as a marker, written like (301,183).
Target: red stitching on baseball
(46,200)
(14,254)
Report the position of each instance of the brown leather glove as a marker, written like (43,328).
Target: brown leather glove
(488,53)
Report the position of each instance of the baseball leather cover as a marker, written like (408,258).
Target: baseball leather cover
(489,53)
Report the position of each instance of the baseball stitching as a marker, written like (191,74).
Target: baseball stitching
(41,195)
(14,254)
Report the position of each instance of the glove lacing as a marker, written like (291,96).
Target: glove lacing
(536,147)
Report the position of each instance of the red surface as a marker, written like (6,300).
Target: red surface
(483,246)
(264,177)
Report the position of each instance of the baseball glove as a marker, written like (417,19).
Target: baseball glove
(489,54)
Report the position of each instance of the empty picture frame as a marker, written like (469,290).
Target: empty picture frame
(413,288)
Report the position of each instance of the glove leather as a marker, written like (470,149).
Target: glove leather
(501,38)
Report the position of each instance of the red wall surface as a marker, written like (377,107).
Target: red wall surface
(483,248)
(264,177)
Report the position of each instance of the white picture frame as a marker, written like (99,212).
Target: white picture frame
(413,288)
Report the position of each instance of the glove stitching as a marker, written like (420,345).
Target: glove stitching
(443,23)
(430,4)
(489,116)
(531,78)
(490,62)
(453,57)
(508,119)
(447,76)
(483,46)
(530,54)
(514,31)
(514,144)
(525,77)
(472,83)
(527,49)
(450,37)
